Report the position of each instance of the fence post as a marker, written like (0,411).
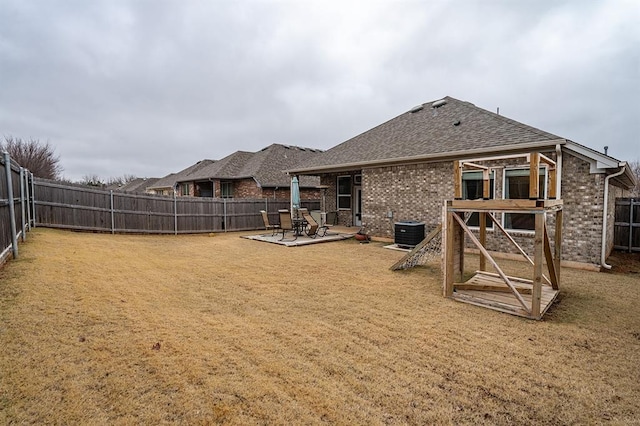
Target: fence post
(33,200)
(175,213)
(113,221)
(27,197)
(22,206)
(12,207)
(631,205)
(224,214)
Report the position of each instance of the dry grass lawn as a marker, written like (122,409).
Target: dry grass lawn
(103,329)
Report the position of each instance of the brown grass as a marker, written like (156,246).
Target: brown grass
(102,329)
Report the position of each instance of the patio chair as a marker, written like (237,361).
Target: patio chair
(312,225)
(286,224)
(331,219)
(268,226)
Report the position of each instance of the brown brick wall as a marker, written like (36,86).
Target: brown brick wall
(417,192)
(412,192)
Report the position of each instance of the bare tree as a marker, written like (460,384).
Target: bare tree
(635,168)
(39,158)
(121,180)
(92,180)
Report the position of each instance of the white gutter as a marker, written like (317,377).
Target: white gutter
(603,255)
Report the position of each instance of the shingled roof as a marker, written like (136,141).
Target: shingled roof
(439,129)
(171,179)
(265,166)
(135,185)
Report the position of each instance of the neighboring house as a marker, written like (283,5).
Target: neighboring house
(252,175)
(134,185)
(168,184)
(403,170)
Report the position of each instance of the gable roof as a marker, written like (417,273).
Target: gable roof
(265,166)
(171,179)
(435,130)
(135,185)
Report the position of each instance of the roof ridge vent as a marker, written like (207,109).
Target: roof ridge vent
(438,104)
(416,109)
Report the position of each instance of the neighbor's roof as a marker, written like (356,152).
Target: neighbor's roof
(171,179)
(435,130)
(135,185)
(265,166)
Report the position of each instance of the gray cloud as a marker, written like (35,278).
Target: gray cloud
(150,87)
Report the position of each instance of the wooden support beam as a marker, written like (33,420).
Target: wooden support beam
(457,180)
(486,184)
(474,166)
(536,295)
(534,167)
(516,245)
(448,264)
(546,160)
(557,245)
(506,205)
(489,287)
(483,238)
(504,277)
(551,190)
(549,258)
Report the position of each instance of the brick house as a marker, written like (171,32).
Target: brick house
(247,175)
(403,170)
(168,184)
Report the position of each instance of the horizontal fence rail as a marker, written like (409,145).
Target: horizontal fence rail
(64,206)
(626,235)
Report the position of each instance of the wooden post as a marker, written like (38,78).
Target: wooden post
(557,246)
(448,263)
(536,294)
(485,185)
(483,238)
(460,249)
(534,171)
(457,180)
(552,183)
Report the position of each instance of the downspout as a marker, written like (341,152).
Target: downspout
(603,255)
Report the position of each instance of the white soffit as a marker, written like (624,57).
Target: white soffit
(599,162)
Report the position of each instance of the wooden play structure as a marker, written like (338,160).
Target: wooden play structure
(526,297)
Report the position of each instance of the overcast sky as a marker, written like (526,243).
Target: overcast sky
(150,87)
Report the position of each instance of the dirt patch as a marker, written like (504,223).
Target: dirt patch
(624,263)
(103,329)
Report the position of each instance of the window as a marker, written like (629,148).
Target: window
(516,186)
(344,192)
(472,190)
(226,189)
(357,180)
(185,189)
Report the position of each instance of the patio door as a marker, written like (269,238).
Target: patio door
(357,211)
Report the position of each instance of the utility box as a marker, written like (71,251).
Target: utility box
(408,233)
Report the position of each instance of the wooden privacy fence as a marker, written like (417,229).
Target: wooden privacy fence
(627,224)
(71,207)
(16,189)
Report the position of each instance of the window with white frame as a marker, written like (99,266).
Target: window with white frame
(472,188)
(185,189)
(516,186)
(226,189)
(344,192)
